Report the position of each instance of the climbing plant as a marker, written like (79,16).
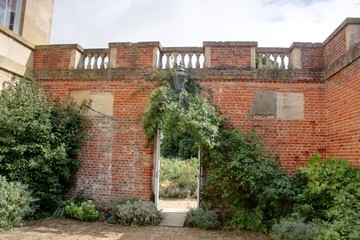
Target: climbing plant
(179,112)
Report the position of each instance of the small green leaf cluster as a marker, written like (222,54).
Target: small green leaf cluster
(15,203)
(244,175)
(247,219)
(331,193)
(178,177)
(85,211)
(200,218)
(135,212)
(178,113)
(39,140)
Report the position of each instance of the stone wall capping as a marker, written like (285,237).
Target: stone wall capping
(59,46)
(306,44)
(270,49)
(230,43)
(137,44)
(346,22)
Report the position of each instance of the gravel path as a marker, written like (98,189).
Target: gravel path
(177,203)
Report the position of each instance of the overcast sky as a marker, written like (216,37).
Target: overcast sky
(272,23)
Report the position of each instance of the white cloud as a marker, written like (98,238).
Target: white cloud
(272,23)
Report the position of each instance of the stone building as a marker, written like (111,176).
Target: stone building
(23,24)
(303,99)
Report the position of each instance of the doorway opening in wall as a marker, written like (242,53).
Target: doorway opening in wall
(178,164)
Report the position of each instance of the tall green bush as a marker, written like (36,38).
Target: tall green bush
(15,203)
(243,174)
(38,141)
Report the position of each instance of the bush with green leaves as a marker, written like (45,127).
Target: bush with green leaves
(331,193)
(247,219)
(178,177)
(15,203)
(200,218)
(84,211)
(135,212)
(39,140)
(243,174)
(294,229)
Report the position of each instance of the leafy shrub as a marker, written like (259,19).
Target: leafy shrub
(178,177)
(332,195)
(204,219)
(290,229)
(243,173)
(15,203)
(246,219)
(137,213)
(39,141)
(85,211)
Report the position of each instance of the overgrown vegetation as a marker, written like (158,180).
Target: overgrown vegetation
(15,203)
(135,212)
(178,178)
(245,184)
(38,142)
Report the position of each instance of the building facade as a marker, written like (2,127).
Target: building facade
(23,24)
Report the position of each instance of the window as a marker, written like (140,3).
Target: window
(10,13)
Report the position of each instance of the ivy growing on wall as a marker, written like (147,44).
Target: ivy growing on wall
(181,111)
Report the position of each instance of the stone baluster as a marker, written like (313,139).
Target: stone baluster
(275,65)
(282,60)
(260,62)
(89,56)
(168,59)
(197,60)
(190,64)
(96,57)
(267,60)
(102,59)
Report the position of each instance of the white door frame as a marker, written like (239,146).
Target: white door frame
(156,172)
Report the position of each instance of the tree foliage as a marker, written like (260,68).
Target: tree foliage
(38,141)
(181,112)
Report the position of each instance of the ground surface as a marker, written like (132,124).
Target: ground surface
(177,203)
(66,229)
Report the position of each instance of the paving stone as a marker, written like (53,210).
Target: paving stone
(66,229)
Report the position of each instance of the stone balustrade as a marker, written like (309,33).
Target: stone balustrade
(189,57)
(94,59)
(273,58)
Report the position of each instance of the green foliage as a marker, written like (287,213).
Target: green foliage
(290,229)
(179,146)
(332,194)
(178,177)
(200,218)
(138,213)
(178,113)
(85,211)
(243,174)
(245,219)
(15,203)
(38,141)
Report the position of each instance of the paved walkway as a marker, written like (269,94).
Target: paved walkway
(66,229)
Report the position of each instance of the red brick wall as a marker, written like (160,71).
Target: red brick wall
(335,47)
(115,162)
(343,114)
(293,140)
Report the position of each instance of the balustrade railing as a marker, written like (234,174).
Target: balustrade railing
(94,59)
(189,57)
(272,58)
